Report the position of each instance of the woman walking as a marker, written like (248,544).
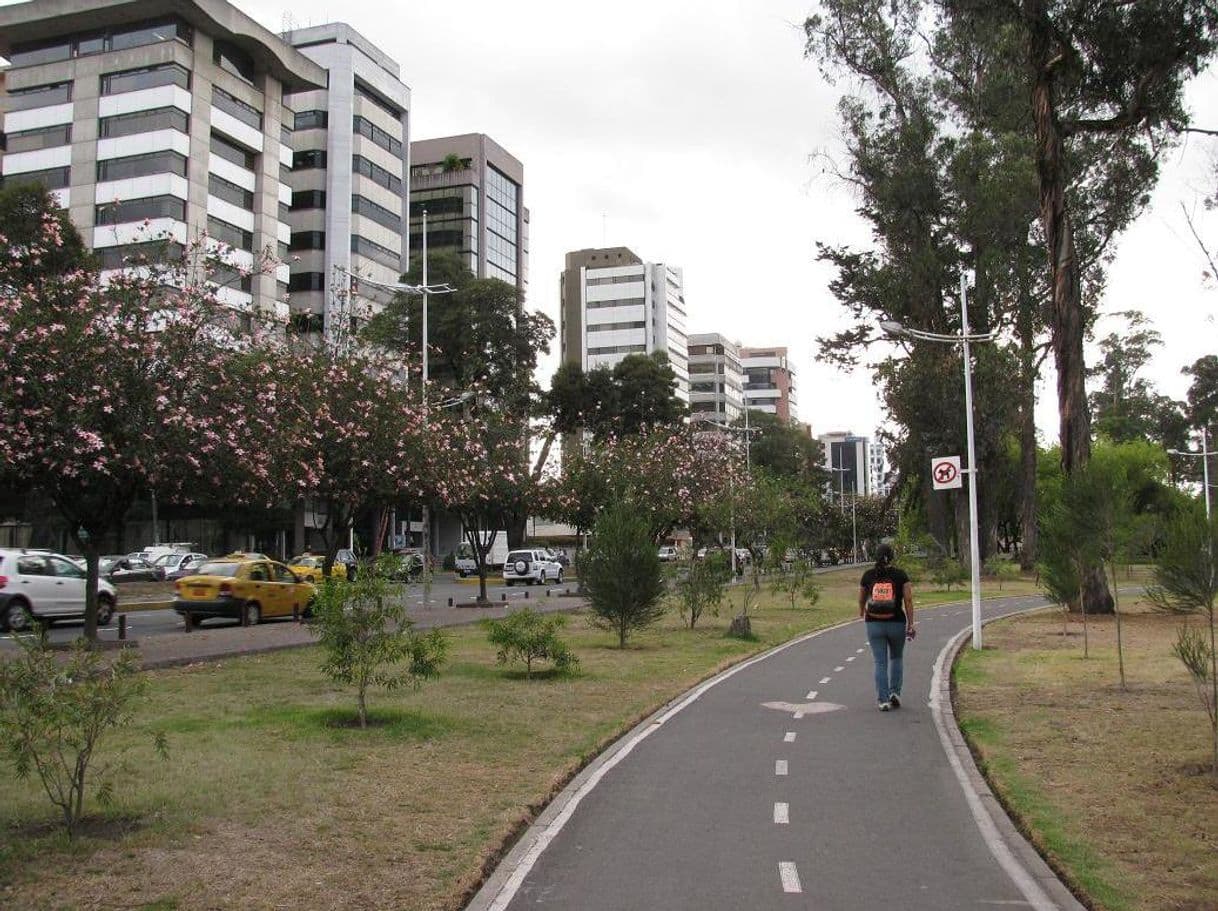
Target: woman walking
(886,604)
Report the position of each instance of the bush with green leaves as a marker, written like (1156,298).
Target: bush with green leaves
(622,573)
(54,713)
(698,586)
(366,637)
(528,636)
(947,573)
(1001,569)
(797,580)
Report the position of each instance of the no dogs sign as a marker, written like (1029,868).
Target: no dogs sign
(945,473)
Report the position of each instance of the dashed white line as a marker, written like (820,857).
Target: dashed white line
(839,668)
(852,657)
(780,767)
(812,694)
(789,876)
(782,814)
(858,651)
(825,679)
(789,737)
(799,715)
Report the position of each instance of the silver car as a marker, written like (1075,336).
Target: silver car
(45,587)
(531,567)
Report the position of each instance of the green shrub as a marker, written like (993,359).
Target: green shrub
(622,573)
(1001,569)
(698,585)
(450,561)
(528,636)
(949,573)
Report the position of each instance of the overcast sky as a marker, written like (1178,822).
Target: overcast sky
(687,133)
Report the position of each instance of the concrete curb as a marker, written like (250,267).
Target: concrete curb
(1041,887)
(495,894)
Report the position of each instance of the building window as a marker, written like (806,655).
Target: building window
(231,104)
(375,252)
(138,36)
(227,277)
(308,240)
(613,327)
(44,138)
(376,173)
(229,234)
(233,61)
(143,122)
(33,54)
(86,43)
(148,77)
(613,280)
(308,159)
(370,210)
(622,302)
(384,104)
(133,210)
(308,199)
(139,254)
(39,96)
(284,211)
(141,166)
(307,281)
(281,251)
(367,128)
(618,349)
(232,152)
(230,192)
(312,120)
(51,178)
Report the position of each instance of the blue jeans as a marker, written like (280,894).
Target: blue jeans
(887,640)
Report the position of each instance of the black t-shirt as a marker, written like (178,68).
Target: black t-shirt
(890,575)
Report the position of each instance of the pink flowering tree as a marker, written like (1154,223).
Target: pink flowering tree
(105,379)
(670,474)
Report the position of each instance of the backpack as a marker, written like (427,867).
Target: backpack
(882,602)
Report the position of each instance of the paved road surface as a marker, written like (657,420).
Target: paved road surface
(733,805)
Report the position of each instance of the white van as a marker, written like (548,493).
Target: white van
(466,565)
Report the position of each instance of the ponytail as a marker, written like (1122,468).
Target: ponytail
(883,557)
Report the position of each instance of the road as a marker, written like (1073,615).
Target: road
(782,786)
(143,623)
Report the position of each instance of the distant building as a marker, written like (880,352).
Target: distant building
(847,457)
(716,379)
(877,469)
(614,304)
(473,191)
(769,382)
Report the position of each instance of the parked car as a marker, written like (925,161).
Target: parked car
(175,566)
(531,566)
(406,565)
(309,567)
(668,553)
(230,585)
(120,568)
(45,587)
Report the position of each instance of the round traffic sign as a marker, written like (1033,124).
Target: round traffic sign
(944,472)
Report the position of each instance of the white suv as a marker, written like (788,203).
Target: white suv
(42,586)
(531,566)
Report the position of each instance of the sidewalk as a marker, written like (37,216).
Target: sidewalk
(207,643)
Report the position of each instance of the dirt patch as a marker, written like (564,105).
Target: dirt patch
(1112,785)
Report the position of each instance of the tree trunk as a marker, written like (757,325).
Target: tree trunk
(1028,528)
(92,560)
(1067,309)
(363,705)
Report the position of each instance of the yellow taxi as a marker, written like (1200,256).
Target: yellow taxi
(249,583)
(309,567)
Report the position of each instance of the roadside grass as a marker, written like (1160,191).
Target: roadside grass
(1112,787)
(267,797)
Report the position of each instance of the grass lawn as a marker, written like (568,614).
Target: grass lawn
(1113,787)
(266,802)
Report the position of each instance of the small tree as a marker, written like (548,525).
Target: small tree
(699,588)
(797,580)
(365,634)
(1186,582)
(528,636)
(54,713)
(1000,569)
(622,572)
(947,573)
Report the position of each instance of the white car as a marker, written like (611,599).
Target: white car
(44,587)
(668,553)
(531,566)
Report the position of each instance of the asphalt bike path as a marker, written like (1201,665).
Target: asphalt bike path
(780,786)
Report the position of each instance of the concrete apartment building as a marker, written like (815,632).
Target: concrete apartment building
(877,469)
(716,378)
(473,192)
(769,382)
(349,177)
(847,457)
(158,119)
(614,304)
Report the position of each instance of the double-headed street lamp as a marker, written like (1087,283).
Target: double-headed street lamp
(963,339)
(1204,456)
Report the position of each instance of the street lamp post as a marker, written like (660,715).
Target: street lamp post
(963,339)
(854,522)
(1204,455)
(748,437)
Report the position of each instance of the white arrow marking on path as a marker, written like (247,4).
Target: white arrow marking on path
(782,814)
(799,709)
(825,680)
(789,876)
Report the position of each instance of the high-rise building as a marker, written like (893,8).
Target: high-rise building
(349,171)
(716,380)
(614,304)
(769,382)
(847,458)
(473,192)
(158,119)
(877,469)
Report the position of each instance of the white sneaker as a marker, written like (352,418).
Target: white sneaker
(895,700)
(884,706)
